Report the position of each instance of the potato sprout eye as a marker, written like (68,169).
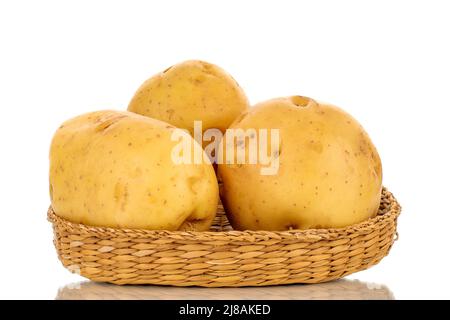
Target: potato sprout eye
(301,101)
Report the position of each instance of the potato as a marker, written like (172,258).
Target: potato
(115,169)
(329,173)
(189,91)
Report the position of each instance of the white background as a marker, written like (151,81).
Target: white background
(385,62)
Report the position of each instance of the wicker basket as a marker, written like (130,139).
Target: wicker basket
(223,257)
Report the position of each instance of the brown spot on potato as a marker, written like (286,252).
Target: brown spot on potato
(363,148)
(291,226)
(207,68)
(51,192)
(166,70)
(277,153)
(315,146)
(199,79)
(108,122)
(121,194)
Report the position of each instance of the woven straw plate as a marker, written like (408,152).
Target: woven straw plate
(223,257)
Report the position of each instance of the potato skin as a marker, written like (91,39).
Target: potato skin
(329,173)
(189,91)
(114,169)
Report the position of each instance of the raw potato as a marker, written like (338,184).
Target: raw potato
(189,91)
(114,169)
(329,173)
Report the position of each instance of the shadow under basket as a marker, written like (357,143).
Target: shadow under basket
(223,257)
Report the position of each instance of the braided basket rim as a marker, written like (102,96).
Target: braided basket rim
(381,219)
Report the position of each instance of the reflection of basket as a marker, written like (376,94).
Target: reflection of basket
(342,289)
(223,257)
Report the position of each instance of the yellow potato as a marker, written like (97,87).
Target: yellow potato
(329,171)
(115,169)
(189,91)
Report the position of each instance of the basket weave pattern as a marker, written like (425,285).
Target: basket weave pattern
(223,257)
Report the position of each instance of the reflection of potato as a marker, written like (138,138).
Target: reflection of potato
(341,290)
(115,169)
(189,91)
(329,171)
